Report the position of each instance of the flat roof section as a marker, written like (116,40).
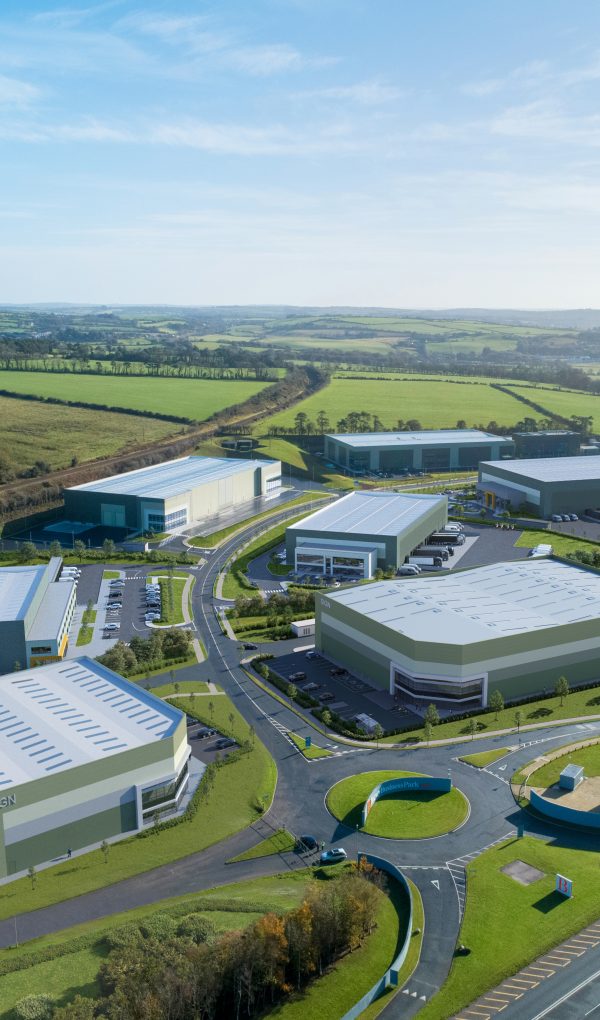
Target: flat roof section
(370,513)
(480,604)
(18,586)
(427,437)
(550,469)
(69,713)
(173,478)
(52,611)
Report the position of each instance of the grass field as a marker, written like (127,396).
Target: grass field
(244,785)
(280,842)
(482,758)
(407,815)
(548,775)
(436,404)
(187,398)
(75,973)
(563,402)
(494,900)
(561,544)
(31,431)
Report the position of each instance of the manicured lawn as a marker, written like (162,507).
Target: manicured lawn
(332,995)
(482,758)
(406,815)
(280,842)
(309,752)
(171,591)
(548,775)
(243,786)
(110,575)
(506,925)
(435,403)
(561,544)
(235,582)
(32,431)
(197,399)
(181,687)
(209,541)
(577,703)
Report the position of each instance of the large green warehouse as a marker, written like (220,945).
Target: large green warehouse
(167,496)
(84,755)
(546,485)
(513,627)
(363,531)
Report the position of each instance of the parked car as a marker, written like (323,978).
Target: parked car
(293,677)
(225,742)
(338,671)
(306,843)
(205,731)
(556,518)
(409,570)
(311,687)
(573,517)
(333,856)
(312,655)
(112,626)
(327,696)
(249,647)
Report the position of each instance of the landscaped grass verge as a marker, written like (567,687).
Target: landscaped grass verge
(548,774)
(235,582)
(483,758)
(86,631)
(169,666)
(110,575)
(309,752)
(280,842)
(407,815)
(171,591)
(190,687)
(245,785)
(210,541)
(412,957)
(525,921)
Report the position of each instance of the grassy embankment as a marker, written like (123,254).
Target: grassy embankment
(406,815)
(280,842)
(495,900)
(244,786)
(236,583)
(548,774)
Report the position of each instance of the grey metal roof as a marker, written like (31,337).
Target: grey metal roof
(173,478)
(52,611)
(480,604)
(428,437)
(370,513)
(18,586)
(69,713)
(550,469)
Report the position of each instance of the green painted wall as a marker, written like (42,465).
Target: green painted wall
(76,835)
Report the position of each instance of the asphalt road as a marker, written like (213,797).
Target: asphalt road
(435,865)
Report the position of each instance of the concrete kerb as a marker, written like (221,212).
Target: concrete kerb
(391,976)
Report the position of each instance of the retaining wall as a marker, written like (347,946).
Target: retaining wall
(391,975)
(560,813)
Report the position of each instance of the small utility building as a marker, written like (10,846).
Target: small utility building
(84,755)
(429,450)
(545,486)
(171,495)
(36,609)
(363,531)
(453,639)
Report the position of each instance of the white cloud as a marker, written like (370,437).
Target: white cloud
(544,121)
(17,93)
(363,93)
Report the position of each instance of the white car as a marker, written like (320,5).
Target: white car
(112,626)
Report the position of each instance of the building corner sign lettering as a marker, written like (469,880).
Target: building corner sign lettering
(8,801)
(325,603)
(564,886)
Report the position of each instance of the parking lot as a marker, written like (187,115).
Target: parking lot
(207,744)
(347,695)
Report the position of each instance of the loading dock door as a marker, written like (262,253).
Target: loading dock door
(113,516)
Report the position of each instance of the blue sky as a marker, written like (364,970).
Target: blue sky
(370,152)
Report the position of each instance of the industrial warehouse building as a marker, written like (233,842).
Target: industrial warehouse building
(36,609)
(397,452)
(545,486)
(548,443)
(363,531)
(453,639)
(171,495)
(84,755)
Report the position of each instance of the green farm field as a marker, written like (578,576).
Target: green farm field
(188,398)
(31,431)
(564,402)
(435,404)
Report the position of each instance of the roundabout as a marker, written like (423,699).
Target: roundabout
(408,813)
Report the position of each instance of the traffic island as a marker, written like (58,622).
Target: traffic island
(398,805)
